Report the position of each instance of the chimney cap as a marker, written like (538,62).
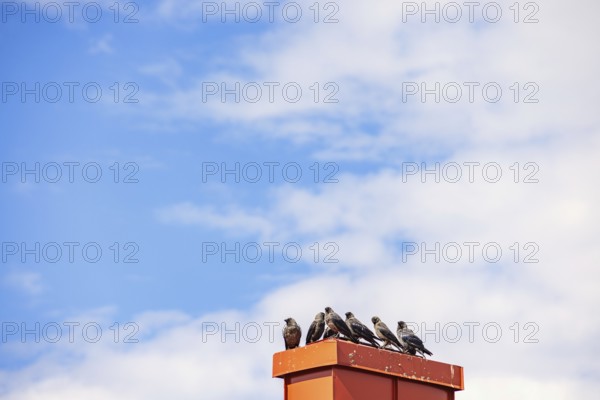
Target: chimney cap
(332,352)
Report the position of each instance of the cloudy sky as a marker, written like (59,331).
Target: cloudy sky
(178,177)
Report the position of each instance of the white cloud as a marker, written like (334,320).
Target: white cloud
(174,363)
(370,53)
(102,45)
(234,220)
(28,282)
(168,71)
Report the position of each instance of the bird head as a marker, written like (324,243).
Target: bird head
(289,321)
(401,324)
(320,316)
(375,319)
(349,315)
(328,310)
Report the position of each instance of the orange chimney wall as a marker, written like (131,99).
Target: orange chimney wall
(340,370)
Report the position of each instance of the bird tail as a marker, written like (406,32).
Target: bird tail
(427,352)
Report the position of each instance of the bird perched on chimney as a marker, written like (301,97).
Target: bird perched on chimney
(384,333)
(291,334)
(337,324)
(316,328)
(360,330)
(411,342)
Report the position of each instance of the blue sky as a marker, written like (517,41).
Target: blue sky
(170,167)
(365,130)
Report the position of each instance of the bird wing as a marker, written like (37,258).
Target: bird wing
(361,330)
(342,327)
(311,331)
(416,342)
(413,340)
(389,335)
(320,327)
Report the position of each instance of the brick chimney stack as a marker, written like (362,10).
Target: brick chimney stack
(340,370)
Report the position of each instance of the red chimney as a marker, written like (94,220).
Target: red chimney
(340,370)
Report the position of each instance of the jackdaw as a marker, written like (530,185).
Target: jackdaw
(337,324)
(316,328)
(360,330)
(411,342)
(291,334)
(384,333)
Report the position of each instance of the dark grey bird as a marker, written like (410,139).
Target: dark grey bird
(291,334)
(329,333)
(384,333)
(360,330)
(411,342)
(316,328)
(337,324)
